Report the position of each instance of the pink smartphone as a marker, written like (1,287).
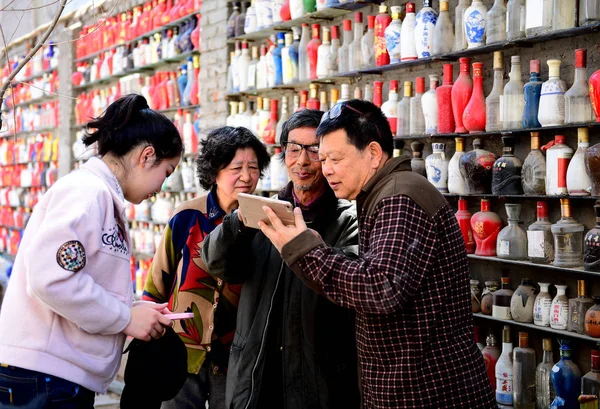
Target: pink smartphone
(180,316)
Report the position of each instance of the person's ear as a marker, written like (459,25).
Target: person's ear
(376,153)
(147,156)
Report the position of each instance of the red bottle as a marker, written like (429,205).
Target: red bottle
(461,93)
(313,101)
(486,225)
(474,114)
(464,222)
(195,37)
(382,20)
(303,100)
(311,50)
(378,93)
(595,93)
(194,96)
(270,131)
(285,13)
(444,101)
(491,353)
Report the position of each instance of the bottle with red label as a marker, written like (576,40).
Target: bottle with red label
(558,156)
(382,20)
(312,51)
(270,131)
(444,101)
(390,107)
(464,222)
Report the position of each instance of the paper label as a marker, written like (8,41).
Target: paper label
(558,315)
(541,311)
(504,248)
(534,14)
(535,243)
(502,313)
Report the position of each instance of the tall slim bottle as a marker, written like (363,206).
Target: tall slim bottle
(417,120)
(543,377)
(461,93)
(491,353)
(565,14)
(312,50)
(303,70)
(444,100)
(456,182)
(252,69)
(429,105)
(504,371)
(355,57)
(474,113)
(552,100)
(513,100)
(496,26)
(243,66)
(390,107)
(524,374)
(425,30)
(408,48)
(532,91)
(460,40)
(578,107)
(382,21)
(443,38)
(368,44)
(334,50)
(578,181)
(538,17)
(493,118)
(344,50)
(515,20)
(404,111)
(288,67)
(323,54)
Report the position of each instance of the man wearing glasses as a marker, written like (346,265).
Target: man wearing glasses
(410,285)
(293,348)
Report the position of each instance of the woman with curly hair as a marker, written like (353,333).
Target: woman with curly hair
(231,160)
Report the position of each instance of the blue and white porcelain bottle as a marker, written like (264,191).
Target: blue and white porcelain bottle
(425,30)
(392,35)
(475,24)
(436,166)
(551,111)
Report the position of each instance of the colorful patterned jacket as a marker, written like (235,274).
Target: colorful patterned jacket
(178,276)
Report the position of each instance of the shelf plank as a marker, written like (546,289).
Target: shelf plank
(36,101)
(522,197)
(524,263)
(559,332)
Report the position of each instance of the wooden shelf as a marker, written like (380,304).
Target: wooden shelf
(524,263)
(150,67)
(559,332)
(522,197)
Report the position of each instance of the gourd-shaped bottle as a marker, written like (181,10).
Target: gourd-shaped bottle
(592,319)
(437,167)
(578,107)
(460,39)
(542,306)
(532,91)
(557,163)
(491,353)
(425,30)
(461,93)
(456,183)
(355,57)
(524,374)
(445,117)
(476,168)
(544,387)
(390,107)
(403,128)
(496,26)
(408,47)
(475,22)
(540,243)
(538,17)
(463,216)
(552,100)
(533,176)
(565,14)
(502,297)
(392,36)
(591,245)
(504,371)
(566,377)
(486,225)
(417,163)
(522,301)
(578,307)
(443,38)
(303,70)
(474,114)
(568,238)
(506,174)
(367,41)
(589,13)
(512,240)
(344,50)
(590,382)
(559,311)
(417,119)
(515,20)
(429,105)
(513,100)
(578,182)
(493,119)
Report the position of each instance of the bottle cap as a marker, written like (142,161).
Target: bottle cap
(463,204)
(358,17)
(357,92)
(280,38)
(535,66)
(289,39)
(417,148)
(244,45)
(583,135)
(565,208)
(371,21)
(515,59)
(580,58)
(460,144)
(410,7)
(420,85)
(396,11)
(448,73)
(498,60)
(523,340)
(394,86)
(465,64)
(506,335)
(407,88)
(535,140)
(478,69)
(434,81)
(554,68)
(335,32)
(542,210)
(547,344)
(382,9)
(316,29)
(326,35)
(581,290)
(347,25)
(559,139)
(443,6)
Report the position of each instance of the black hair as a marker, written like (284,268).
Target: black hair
(306,118)
(219,148)
(129,122)
(372,126)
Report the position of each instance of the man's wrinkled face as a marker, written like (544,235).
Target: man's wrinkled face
(301,159)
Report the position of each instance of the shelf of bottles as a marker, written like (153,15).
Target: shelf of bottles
(525,192)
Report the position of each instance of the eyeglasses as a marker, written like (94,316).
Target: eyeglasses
(336,110)
(294,150)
